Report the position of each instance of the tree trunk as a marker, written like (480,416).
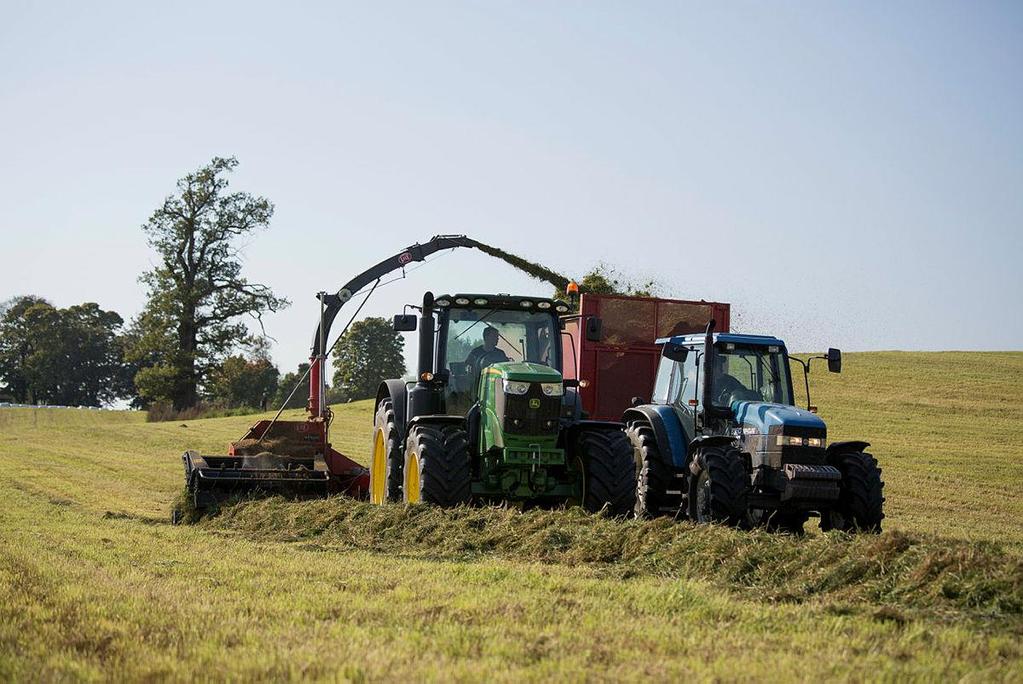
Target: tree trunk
(186,393)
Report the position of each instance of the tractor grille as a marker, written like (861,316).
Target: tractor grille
(532,413)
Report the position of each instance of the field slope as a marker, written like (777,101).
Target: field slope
(95,584)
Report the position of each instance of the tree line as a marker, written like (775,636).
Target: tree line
(199,339)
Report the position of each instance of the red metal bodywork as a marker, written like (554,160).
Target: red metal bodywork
(306,439)
(623,364)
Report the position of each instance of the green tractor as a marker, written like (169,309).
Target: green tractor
(490,418)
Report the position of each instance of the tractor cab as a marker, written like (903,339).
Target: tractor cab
(475,332)
(749,394)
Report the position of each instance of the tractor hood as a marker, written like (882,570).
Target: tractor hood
(524,371)
(767,418)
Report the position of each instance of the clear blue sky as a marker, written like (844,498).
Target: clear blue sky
(846,174)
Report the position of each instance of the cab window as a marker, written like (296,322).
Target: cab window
(687,379)
(663,382)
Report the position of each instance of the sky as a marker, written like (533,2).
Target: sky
(844,174)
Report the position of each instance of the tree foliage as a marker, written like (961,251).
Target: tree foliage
(287,383)
(369,352)
(70,357)
(197,293)
(240,381)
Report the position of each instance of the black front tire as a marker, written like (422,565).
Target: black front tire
(718,491)
(384,422)
(440,459)
(609,471)
(860,506)
(653,475)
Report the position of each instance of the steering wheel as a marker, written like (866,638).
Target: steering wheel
(729,394)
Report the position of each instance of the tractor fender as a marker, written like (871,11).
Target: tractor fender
(707,441)
(843,447)
(668,431)
(397,392)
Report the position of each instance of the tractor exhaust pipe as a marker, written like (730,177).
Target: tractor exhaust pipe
(426,335)
(709,357)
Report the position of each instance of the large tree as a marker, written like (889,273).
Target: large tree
(71,356)
(197,294)
(370,351)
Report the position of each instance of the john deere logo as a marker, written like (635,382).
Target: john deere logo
(534,403)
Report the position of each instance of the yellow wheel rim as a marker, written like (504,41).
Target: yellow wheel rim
(378,470)
(412,490)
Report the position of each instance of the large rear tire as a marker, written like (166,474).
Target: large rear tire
(718,491)
(609,471)
(860,506)
(653,476)
(385,471)
(436,468)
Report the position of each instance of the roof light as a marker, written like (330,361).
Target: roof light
(561,308)
(462,301)
(426,377)
(526,304)
(442,302)
(479,302)
(543,305)
(572,288)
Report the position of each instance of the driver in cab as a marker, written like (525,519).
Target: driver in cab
(487,353)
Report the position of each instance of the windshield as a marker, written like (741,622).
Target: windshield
(751,374)
(485,336)
(472,339)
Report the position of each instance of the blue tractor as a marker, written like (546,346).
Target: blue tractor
(723,441)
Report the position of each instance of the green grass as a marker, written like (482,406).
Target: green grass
(94,584)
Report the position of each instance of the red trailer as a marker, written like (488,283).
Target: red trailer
(623,363)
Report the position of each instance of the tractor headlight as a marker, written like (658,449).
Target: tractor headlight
(790,440)
(515,387)
(552,389)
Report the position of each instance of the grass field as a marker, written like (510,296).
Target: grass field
(95,584)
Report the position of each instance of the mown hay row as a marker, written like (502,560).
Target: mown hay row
(943,578)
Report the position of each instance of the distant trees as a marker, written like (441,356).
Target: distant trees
(370,351)
(197,293)
(72,356)
(287,384)
(240,382)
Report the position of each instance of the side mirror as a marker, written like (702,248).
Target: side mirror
(594,329)
(835,360)
(404,323)
(675,352)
